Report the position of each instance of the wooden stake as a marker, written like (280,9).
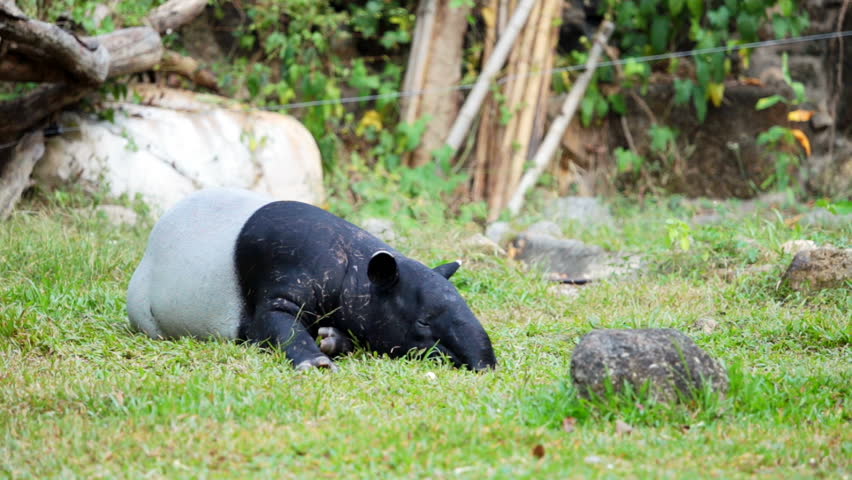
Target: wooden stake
(477,95)
(517,75)
(530,98)
(416,70)
(483,137)
(557,129)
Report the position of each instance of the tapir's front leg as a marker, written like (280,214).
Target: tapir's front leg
(333,342)
(280,329)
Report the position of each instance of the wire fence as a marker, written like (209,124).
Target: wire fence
(508,78)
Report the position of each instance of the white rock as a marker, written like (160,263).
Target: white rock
(795,246)
(179,142)
(118,215)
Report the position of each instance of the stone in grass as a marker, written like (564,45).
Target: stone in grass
(671,364)
(380,227)
(569,260)
(819,268)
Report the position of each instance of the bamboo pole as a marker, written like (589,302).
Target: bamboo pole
(474,99)
(415,72)
(557,129)
(529,100)
(484,137)
(518,82)
(546,81)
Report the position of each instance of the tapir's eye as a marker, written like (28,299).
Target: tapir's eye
(422,325)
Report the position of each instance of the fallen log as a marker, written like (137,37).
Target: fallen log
(130,50)
(87,62)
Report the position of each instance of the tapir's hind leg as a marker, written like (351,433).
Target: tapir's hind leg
(139,303)
(278,329)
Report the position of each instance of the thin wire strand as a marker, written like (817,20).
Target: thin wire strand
(571,68)
(505,79)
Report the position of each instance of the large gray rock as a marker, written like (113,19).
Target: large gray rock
(585,210)
(176,142)
(498,232)
(569,259)
(671,364)
(816,269)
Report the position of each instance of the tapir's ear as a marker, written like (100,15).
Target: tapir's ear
(382,269)
(448,269)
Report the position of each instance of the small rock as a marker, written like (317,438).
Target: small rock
(117,215)
(498,232)
(571,260)
(431,376)
(480,242)
(623,428)
(823,218)
(706,324)
(581,209)
(793,247)
(381,228)
(825,267)
(545,227)
(669,361)
(566,290)
(732,274)
(569,257)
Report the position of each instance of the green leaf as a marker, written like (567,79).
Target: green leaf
(780,26)
(696,8)
(648,8)
(799,92)
(660,29)
(661,138)
(747,25)
(683,90)
(676,6)
(601,106)
(719,18)
(702,70)
(699,100)
(618,104)
(767,102)
(587,110)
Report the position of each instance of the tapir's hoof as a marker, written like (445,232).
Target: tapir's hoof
(333,342)
(316,362)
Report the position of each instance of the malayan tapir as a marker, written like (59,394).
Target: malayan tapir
(229,263)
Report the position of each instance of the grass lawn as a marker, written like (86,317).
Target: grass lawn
(82,396)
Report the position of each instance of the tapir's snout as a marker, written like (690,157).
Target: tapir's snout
(463,339)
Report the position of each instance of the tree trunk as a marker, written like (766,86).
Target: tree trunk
(442,69)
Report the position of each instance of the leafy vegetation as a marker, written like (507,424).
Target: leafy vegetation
(83,396)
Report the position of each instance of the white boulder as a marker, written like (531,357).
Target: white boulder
(174,142)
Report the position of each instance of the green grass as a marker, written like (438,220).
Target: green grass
(82,396)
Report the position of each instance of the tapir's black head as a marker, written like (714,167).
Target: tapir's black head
(415,307)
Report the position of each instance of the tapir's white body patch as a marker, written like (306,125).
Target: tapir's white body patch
(187,282)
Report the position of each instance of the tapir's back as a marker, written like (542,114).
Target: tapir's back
(186,283)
